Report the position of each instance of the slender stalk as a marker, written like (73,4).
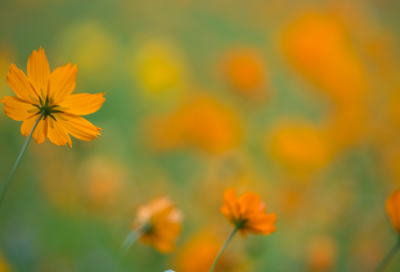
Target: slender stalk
(19,158)
(223,248)
(388,257)
(132,237)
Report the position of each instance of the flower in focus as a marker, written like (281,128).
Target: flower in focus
(393,209)
(159,223)
(50,94)
(247,213)
(199,254)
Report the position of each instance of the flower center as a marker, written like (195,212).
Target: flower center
(46,108)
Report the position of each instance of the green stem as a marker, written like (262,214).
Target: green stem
(223,248)
(19,158)
(132,237)
(388,257)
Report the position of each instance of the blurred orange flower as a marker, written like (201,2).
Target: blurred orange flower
(319,46)
(247,213)
(199,254)
(393,209)
(246,73)
(202,122)
(300,146)
(159,224)
(322,254)
(50,96)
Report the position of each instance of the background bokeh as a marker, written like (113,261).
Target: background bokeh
(298,101)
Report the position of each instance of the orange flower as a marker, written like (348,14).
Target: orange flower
(393,209)
(159,224)
(50,95)
(247,213)
(199,253)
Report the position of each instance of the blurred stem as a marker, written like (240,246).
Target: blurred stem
(388,257)
(132,237)
(19,158)
(223,248)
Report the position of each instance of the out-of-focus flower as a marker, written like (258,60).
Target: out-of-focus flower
(49,96)
(246,73)
(322,254)
(202,122)
(247,213)
(393,209)
(300,146)
(103,182)
(86,43)
(319,46)
(159,224)
(199,254)
(160,68)
(4,266)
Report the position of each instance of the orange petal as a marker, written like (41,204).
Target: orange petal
(82,104)
(40,133)
(77,126)
(56,134)
(231,206)
(250,204)
(393,209)
(20,84)
(28,124)
(62,82)
(17,108)
(262,223)
(39,71)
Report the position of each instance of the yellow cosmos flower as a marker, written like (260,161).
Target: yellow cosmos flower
(247,213)
(49,96)
(159,224)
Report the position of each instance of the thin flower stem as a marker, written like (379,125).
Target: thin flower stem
(19,158)
(388,257)
(132,237)
(223,248)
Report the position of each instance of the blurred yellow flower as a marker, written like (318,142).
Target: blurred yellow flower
(393,209)
(246,73)
(199,254)
(160,67)
(4,266)
(247,213)
(159,224)
(46,95)
(300,146)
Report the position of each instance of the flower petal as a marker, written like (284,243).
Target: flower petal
(393,209)
(77,126)
(262,223)
(62,82)
(56,134)
(28,124)
(231,206)
(20,84)
(82,104)
(39,71)
(17,108)
(40,133)
(250,204)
